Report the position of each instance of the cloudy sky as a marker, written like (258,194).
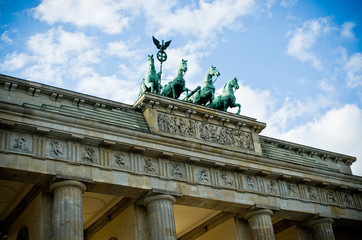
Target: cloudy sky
(299,63)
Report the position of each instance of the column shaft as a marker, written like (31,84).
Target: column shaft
(67,219)
(260,224)
(322,228)
(160,217)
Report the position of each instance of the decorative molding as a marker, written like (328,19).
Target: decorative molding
(165,166)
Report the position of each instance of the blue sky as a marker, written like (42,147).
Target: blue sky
(299,63)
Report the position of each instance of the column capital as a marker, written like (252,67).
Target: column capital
(318,221)
(67,183)
(257,212)
(159,197)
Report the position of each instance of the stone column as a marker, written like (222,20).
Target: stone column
(161,220)
(322,228)
(67,219)
(260,224)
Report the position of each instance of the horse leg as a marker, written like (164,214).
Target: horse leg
(152,87)
(238,105)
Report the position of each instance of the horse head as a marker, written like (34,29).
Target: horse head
(183,66)
(151,60)
(234,83)
(213,71)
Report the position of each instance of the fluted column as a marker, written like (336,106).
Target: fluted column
(322,228)
(160,217)
(67,219)
(260,224)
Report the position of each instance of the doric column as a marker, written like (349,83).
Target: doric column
(67,210)
(322,228)
(161,219)
(260,224)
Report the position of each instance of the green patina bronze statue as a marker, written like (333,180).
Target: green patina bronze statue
(176,87)
(204,94)
(152,81)
(227,97)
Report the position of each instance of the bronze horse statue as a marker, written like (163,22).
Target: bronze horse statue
(152,81)
(204,94)
(227,97)
(176,87)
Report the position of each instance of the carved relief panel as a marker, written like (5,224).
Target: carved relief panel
(271,186)
(56,149)
(202,175)
(250,183)
(205,131)
(177,170)
(120,159)
(227,179)
(149,165)
(21,142)
(89,154)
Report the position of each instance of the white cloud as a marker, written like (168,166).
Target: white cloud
(353,68)
(255,103)
(302,40)
(5,38)
(339,130)
(14,61)
(288,3)
(347,30)
(326,86)
(110,87)
(203,20)
(126,50)
(105,15)
(53,55)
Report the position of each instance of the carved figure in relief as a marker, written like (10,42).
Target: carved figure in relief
(331,196)
(347,199)
(176,170)
(164,123)
(227,98)
(203,176)
(178,125)
(244,140)
(204,94)
(250,182)
(149,166)
(271,187)
(312,193)
(56,149)
(89,155)
(227,180)
(120,157)
(292,189)
(20,143)
(207,131)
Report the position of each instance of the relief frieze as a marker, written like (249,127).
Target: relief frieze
(56,149)
(121,160)
(177,170)
(21,142)
(89,155)
(228,180)
(205,131)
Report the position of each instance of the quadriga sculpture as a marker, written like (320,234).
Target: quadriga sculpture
(177,86)
(152,81)
(227,97)
(204,94)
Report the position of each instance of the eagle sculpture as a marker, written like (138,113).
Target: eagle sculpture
(162,46)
